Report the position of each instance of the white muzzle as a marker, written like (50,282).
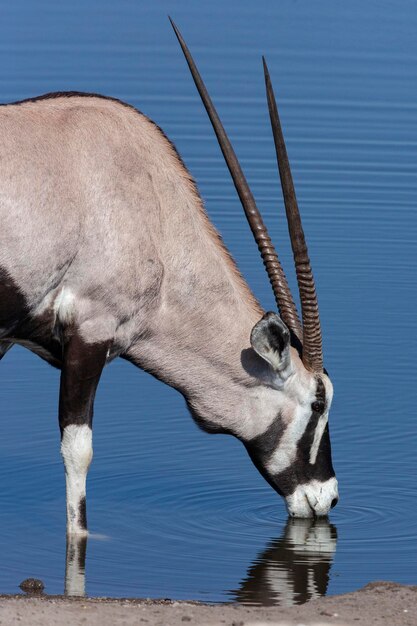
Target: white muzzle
(314,499)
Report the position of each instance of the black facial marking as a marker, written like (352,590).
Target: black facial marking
(318,407)
(319,404)
(261,448)
(301,471)
(270,479)
(266,443)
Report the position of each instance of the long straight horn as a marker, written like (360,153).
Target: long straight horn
(312,341)
(273,267)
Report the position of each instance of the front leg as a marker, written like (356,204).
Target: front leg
(81,371)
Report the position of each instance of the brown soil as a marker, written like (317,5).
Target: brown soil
(379,604)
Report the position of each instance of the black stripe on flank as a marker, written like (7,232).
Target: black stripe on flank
(13,305)
(19,326)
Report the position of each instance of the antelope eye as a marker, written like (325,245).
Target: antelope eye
(318,406)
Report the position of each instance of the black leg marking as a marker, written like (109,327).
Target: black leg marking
(82,513)
(81,370)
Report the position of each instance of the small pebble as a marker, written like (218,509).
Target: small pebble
(32,585)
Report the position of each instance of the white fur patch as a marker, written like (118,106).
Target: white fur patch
(318,434)
(286,452)
(313,498)
(64,305)
(77,452)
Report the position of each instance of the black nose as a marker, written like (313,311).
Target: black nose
(334,502)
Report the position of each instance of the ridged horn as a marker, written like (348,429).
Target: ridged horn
(282,293)
(312,339)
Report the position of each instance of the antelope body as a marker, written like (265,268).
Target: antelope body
(106,251)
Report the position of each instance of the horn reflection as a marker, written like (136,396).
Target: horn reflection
(75,566)
(292,569)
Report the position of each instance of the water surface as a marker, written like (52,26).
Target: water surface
(177,513)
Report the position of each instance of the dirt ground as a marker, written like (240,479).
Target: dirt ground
(379,604)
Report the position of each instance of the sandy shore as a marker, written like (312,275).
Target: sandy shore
(380,603)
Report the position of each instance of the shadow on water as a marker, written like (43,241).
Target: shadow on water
(292,569)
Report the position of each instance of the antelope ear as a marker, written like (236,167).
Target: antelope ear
(270,338)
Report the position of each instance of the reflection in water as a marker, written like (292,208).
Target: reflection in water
(75,566)
(292,569)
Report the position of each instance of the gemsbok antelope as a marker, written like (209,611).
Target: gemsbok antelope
(106,251)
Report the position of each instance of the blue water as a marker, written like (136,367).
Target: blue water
(177,513)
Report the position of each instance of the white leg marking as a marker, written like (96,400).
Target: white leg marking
(77,452)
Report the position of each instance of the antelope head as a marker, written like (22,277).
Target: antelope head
(293,453)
